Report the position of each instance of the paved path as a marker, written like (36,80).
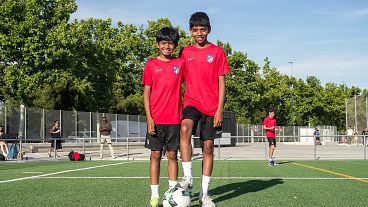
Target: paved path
(243,151)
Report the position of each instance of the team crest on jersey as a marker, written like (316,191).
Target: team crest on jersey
(176,69)
(210,58)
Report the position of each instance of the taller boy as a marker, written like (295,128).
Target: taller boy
(206,66)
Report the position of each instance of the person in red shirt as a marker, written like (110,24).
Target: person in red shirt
(206,67)
(162,79)
(269,124)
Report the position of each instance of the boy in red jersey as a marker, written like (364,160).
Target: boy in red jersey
(162,79)
(206,67)
(269,124)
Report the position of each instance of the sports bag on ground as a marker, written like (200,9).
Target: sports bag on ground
(76,156)
(13,151)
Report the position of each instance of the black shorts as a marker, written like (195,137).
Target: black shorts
(58,144)
(318,138)
(206,122)
(271,141)
(167,135)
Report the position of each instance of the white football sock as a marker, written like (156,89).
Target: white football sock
(205,183)
(187,169)
(154,191)
(172,183)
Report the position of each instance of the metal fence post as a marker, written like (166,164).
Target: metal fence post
(346,114)
(355,115)
(315,148)
(249,128)
(20,150)
(90,135)
(55,154)
(61,120)
(5,123)
(237,129)
(127,140)
(264,138)
(366,110)
(365,146)
(90,127)
(25,123)
(76,126)
(43,126)
(139,126)
(84,145)
(364,136)
(116,130)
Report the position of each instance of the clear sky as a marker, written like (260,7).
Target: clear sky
(323,38)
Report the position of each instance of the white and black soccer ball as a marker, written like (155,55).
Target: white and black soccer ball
(176,197)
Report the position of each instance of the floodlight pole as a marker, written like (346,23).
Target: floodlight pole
(346,113)
(366,109)
(292,68)
(292,88)
(346,105)
(356,115)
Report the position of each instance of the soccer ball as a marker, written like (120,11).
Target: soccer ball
(177,197)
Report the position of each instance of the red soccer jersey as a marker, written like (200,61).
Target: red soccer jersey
(165,79)
(203,68)
(270,122)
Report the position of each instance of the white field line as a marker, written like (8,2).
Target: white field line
(32,172)
(60,172)
(216,178)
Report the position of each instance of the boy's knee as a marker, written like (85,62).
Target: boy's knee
(155,155)
(171,156)
(185,128)
(208,150)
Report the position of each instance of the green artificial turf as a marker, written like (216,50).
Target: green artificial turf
(234,183)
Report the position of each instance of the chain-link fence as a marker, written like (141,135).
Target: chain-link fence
(34,124)
(29,127)
(303,134)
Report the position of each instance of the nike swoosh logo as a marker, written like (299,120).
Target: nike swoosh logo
(158,70)
(191,58)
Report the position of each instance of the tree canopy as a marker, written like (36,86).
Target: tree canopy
(48,61)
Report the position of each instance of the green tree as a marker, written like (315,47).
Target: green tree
(25,28)
(92,65)
(311,104)
(243,88)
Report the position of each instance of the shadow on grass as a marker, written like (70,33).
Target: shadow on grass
(284,162)
(232,190)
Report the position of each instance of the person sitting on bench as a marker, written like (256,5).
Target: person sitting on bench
(3,145)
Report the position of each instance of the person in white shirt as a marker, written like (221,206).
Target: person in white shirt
(350,133)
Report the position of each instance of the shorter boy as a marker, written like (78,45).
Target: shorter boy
(162,79)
